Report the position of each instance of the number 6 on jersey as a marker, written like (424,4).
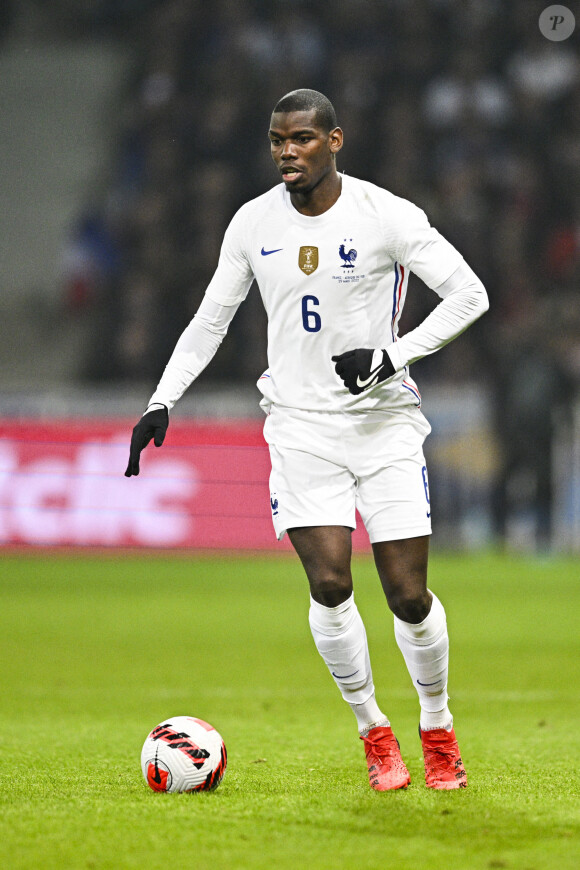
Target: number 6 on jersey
(310,319)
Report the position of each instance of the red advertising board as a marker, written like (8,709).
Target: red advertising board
(62,483)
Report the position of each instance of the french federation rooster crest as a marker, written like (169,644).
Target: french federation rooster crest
(348,256)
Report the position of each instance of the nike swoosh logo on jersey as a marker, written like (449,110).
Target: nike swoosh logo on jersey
(275,251)
(371,377)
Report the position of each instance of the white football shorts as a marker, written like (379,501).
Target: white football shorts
(325,466)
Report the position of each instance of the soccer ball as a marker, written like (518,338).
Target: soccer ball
(183,754)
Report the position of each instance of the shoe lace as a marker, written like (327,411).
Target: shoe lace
(443,757)
(382,747)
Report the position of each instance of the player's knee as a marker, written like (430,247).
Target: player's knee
(330,588)
(410,605)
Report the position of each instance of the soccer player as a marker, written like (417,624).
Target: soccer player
(331,255)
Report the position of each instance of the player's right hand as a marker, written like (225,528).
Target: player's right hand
(363,368)
(152,425)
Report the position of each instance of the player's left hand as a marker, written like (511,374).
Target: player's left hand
(152,425)
(363,368)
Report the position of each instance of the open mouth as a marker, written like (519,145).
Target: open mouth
(290,173)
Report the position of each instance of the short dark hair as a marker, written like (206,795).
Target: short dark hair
(304,100)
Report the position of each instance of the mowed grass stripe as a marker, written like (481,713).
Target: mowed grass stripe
(95,652)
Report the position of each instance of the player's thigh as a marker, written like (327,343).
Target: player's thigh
(394,501)
(402,568)
(325,553)
(309,490)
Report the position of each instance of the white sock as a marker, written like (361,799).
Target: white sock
(425,648)
(341,640)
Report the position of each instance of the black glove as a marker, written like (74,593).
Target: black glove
(363,368)
(153,424)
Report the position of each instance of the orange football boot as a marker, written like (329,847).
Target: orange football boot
(443,765)
(386,767)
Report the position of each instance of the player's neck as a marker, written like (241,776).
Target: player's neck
(322,197)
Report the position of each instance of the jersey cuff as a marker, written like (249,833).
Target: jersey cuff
(394,354)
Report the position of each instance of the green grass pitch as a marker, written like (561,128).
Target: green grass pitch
(94,652)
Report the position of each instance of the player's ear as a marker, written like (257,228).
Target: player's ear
(335,140)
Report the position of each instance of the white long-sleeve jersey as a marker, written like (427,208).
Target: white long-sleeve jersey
(329,283)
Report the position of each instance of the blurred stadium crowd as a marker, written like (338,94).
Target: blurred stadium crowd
(459,105)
